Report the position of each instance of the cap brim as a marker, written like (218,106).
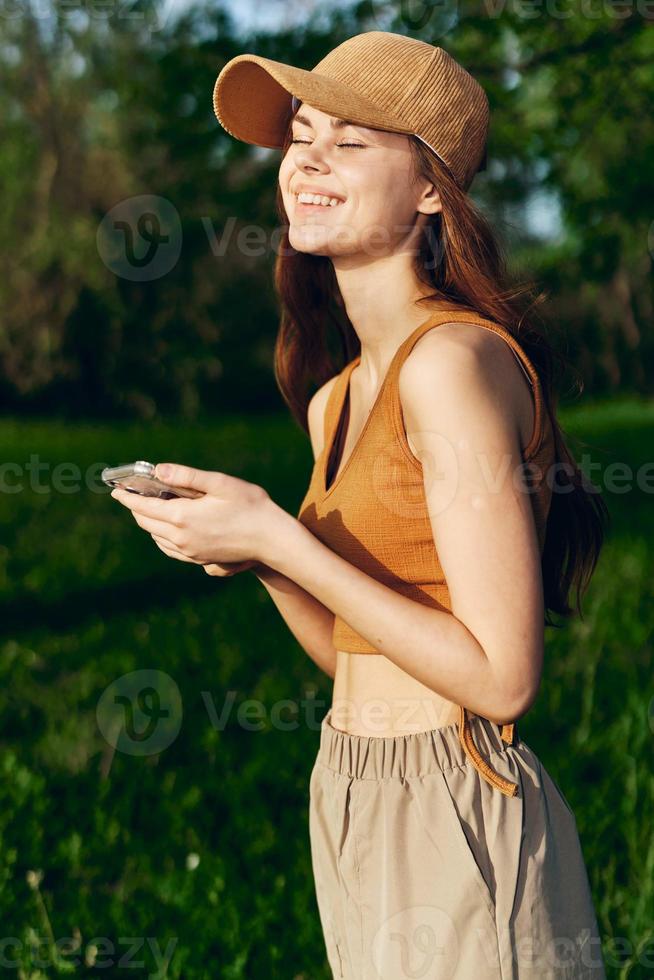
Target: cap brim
(251,100)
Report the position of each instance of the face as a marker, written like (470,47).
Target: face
(381,204)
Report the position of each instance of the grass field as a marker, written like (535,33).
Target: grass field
(199,845)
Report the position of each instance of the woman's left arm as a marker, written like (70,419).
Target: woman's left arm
(487,654)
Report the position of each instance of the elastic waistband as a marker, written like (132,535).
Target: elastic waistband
(417,754)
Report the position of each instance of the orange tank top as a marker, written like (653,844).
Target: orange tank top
(375,513)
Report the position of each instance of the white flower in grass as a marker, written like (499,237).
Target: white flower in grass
(34,878)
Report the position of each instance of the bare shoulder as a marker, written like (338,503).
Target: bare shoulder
(316,415)
(465,357)
(462,343)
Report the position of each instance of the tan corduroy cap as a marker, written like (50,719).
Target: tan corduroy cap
(377,79)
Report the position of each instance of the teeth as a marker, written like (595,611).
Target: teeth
(305,198)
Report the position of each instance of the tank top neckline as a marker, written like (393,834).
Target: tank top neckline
(343,384)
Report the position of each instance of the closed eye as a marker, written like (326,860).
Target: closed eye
(361,146)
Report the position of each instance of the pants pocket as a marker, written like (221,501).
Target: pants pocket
(474,855)
(441,823)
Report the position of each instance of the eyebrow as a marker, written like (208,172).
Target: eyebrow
(334,123)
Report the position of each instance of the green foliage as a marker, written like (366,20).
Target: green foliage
(117,836)
(96,110)
(203,844)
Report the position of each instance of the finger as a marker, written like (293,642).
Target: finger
(164,529)
(178,475)
(157,507)
(171,551)
(229,567)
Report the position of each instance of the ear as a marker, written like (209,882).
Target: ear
(430,200)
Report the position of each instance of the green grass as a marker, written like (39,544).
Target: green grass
(202,842)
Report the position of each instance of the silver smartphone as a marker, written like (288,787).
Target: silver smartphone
(139,477)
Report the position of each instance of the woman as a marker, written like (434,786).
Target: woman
(441,847)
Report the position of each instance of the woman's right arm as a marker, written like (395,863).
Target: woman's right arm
(309,621)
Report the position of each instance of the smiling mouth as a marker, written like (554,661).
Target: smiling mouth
(310,206)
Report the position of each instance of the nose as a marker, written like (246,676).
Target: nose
(310,157)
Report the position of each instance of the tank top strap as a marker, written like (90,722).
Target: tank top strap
(334,404)
(435,320)
(468,316)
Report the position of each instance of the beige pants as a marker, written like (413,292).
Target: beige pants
(424,870)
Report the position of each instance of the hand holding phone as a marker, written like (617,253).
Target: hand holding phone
(138,477)
(232,523)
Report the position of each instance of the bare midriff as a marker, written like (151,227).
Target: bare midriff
(363,705)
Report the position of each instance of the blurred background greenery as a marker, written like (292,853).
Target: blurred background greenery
(105,358)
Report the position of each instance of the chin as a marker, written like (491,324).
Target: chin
(312,244)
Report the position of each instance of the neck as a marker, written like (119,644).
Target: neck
(380,298)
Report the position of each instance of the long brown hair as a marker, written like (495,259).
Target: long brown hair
(461,259)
